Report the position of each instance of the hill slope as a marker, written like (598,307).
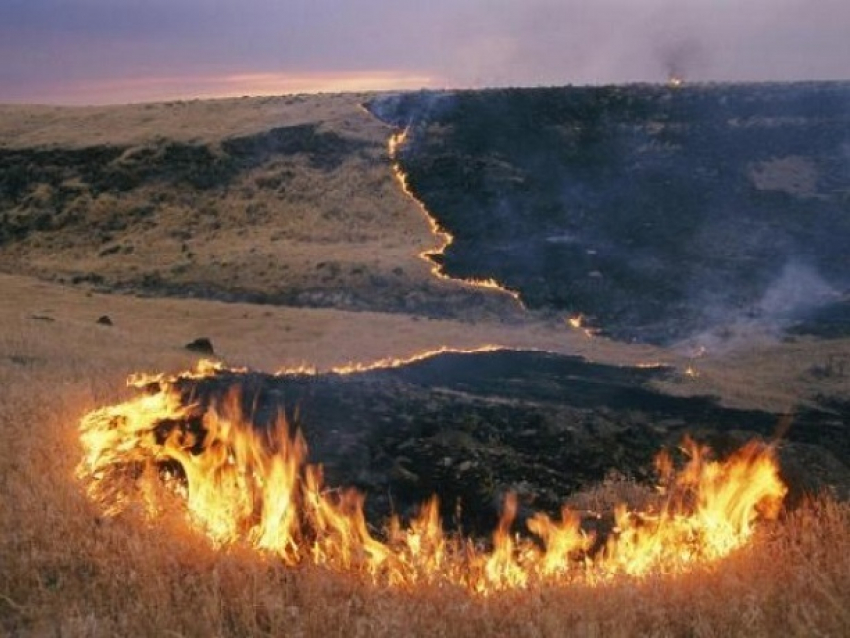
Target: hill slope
(656,212)
(275,200)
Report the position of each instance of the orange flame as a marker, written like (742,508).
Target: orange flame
(393,362)
(577,322)
(242,484)
(386,363)
(396,142)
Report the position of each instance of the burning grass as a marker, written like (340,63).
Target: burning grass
(243,484)
(70,570)
(434,256)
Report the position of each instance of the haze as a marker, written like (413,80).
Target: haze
(100,51)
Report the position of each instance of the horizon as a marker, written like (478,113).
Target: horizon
(87,52)
(347,87)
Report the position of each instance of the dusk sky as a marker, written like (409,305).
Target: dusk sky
(106,51)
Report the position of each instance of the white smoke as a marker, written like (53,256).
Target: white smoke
(797,291)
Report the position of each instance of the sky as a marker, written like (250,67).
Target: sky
(113,51)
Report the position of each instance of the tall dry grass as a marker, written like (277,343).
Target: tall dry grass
(67,570)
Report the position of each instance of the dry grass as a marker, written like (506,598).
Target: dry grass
(768,374)
(263,337)
(187,121)
(68,571)
(337,235)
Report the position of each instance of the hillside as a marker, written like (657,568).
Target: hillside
(271,200)
(657,213)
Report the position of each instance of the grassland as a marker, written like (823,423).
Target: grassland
(274,200)
(68,570)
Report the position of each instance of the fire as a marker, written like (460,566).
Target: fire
(577,323)
(393,362)
(431,255)
(241,483)
(384,363)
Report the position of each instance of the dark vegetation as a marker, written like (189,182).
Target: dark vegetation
(656,212)
(472,427)
(40,188)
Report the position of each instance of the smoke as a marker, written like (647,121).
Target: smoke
(459,43)
(682,58)
(548,42)
(411,109)
(796,293)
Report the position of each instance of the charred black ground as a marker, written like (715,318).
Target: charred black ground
(657,212)
(471,427)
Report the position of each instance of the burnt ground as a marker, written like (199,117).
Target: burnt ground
(471,427)
(657,212)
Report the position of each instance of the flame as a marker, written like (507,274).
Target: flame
(393,362)
(577,322)
(245,484)
(386,362)
(431,255)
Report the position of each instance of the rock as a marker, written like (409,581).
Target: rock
(104,320)
(201,345)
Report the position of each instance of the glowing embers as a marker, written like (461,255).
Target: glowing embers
(577,322)
(392,362)
(432,256)
(243,483)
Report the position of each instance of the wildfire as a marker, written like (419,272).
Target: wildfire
(246,484)
(431,255)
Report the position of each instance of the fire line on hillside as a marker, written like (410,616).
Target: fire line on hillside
(431,255)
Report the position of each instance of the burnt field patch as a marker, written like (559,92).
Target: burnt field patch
(656,212)
(474,427)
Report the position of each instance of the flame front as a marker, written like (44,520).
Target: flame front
(243,484)
(395,144)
